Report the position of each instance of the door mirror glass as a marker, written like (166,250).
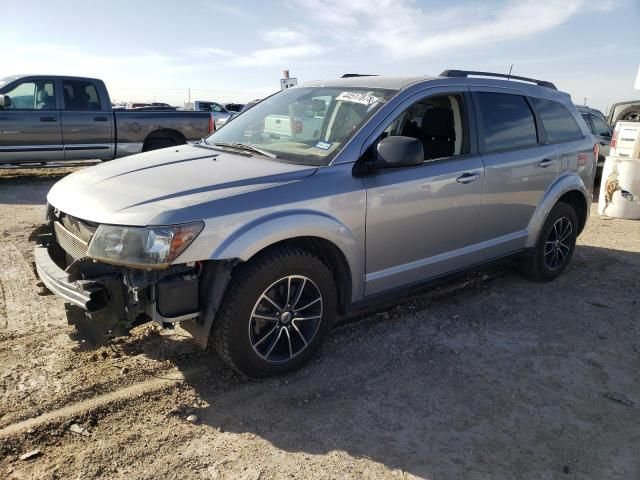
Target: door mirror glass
(399,151)
(5,101)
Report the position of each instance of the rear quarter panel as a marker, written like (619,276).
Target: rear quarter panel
(134,127)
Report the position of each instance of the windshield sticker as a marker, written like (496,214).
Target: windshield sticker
(323,145)
(358,97)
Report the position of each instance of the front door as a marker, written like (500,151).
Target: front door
(422,221)
(87,122)
(30,122)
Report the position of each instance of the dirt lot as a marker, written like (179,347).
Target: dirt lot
(490,376)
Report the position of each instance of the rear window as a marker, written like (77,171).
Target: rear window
(506,122)
(80,95)
(557,121)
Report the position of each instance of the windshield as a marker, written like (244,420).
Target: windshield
(306,125)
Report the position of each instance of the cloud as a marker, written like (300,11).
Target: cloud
(402,30)
(208,52)
(278,55)
(283,36)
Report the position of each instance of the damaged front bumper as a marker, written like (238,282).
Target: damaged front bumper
(89,295)
(115,297)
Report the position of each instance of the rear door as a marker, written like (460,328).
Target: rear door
(30,125)
(87,125)
(519,167)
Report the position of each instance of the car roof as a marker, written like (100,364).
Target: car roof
(12,78)
(369,81)
(400,83)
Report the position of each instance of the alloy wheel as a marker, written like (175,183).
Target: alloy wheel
(285,319)
(558,244)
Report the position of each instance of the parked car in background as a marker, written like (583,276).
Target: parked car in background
(157,105)
(256,245)
(598,125)
(45,117)
(250,104)
(219,112)
(234,107)
(628,111)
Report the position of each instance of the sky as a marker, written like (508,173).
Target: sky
(236,51)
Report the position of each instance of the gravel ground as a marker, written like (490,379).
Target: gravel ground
(490,376)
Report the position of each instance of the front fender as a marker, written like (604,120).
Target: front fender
(253,237)
(563,184)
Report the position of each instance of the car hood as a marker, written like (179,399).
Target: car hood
(134,190)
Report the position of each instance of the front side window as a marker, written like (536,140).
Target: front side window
(307,125)
(600,128)
(557,121)
(31,95)
(437,122)
(506,122)
(80,95)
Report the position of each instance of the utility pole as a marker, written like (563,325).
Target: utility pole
(585,101)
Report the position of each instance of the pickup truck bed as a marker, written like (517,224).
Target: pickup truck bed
(52,118)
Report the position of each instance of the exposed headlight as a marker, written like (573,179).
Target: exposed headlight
(142,247)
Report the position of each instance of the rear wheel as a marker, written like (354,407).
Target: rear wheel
(276,313)
(555,245)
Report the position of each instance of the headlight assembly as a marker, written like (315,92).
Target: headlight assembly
(142,247)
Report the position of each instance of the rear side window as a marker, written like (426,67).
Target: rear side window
(557,121)
(506,122)
(599,127)
(80,95)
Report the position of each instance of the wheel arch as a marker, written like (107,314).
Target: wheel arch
(569,189)
(316,233)
(171,133)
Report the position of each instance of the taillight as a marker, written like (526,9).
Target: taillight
(614,138)
(297,126)
(212,124)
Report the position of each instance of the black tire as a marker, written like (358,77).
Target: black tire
(243,341)
(157,143)
(539,264)
(631,114)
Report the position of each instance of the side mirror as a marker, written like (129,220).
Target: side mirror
(399,151)
(5,101)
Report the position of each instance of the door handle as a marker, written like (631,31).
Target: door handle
(546,163)
(468,177)
(48,119)
(603,143)
(100,119)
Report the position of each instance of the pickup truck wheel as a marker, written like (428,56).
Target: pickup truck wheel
(555,245)
(276,313)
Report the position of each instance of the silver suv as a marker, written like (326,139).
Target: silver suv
(317,200)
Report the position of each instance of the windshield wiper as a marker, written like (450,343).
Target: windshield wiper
(203,144)
(245,146)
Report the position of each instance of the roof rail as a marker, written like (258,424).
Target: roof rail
(351,75)
(466,73)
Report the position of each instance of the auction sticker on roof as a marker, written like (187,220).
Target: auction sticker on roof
(357,97)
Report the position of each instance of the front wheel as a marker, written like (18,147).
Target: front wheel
(555,245)
(276,313)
